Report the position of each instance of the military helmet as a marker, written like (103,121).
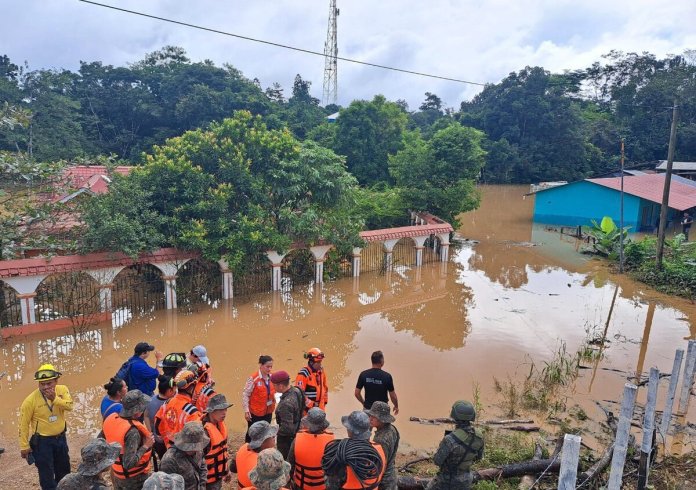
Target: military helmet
(463,411)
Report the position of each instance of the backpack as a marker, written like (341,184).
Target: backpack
(124,372)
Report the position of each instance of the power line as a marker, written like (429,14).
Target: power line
(279,45)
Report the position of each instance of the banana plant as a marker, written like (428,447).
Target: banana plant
(606,236)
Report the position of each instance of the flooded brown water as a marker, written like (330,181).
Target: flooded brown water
(498,306)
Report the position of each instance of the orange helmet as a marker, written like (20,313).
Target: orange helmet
(184,379)
(314,355)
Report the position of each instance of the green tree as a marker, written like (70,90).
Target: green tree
(367,133)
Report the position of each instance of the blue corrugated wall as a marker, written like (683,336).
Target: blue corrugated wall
(580,202)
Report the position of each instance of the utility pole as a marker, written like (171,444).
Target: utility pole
(621,216)
(668,180)
(330,93)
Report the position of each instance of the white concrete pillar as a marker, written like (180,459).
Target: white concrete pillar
(170,291)
(356,261)
(105,279)
(319,252)
(388,247)
(420,245)
(227,280)
(444,246)
(169,270)
(276,263)
(26,292)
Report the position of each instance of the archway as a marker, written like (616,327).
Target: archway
(372,257)
(297,268)
(337,265)
(71,295)
(10,307)
(253,277)
(198,282)
(404,253)
(138,289)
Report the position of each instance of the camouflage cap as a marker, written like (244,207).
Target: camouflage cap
(97,456)
(192,437)
(134,402)
(163,481)
(259,432)
(271,472)
(217,402)
(315,420)
(382,412)
(358,423)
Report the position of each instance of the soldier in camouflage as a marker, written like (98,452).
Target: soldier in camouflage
(458,450)
(388,437)
(97,457)
(186,457)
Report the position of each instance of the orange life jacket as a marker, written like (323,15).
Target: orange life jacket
(115,428)
(202,395)
(216,458)
(262,399)
(315,387)
(172,416)
(352,481)
(309,449)
(246,461)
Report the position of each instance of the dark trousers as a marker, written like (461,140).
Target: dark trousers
(283,444)
(52,460)
(255,418)
(685,230)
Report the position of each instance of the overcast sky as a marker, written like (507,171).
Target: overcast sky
(477,40)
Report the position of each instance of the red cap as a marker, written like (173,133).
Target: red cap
(280,377)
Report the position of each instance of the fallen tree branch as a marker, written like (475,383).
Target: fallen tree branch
(447,420)
(510,421)
(596,469)
(523,428)
(527,481)
(415,461)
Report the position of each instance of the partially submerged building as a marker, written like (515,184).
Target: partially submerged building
(578,203)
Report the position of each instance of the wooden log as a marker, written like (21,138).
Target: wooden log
(523,428)
(447,420)
(618,459)
(671,392)
(648,429)
(527,481)
(569,462)
(596,469)
(508,421)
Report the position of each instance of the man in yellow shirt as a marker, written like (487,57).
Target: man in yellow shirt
(42,427)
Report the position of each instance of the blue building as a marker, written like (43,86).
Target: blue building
(578,203)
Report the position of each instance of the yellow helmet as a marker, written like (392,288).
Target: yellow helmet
(46,372)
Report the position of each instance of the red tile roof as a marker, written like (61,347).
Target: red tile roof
(404,232)
(650,187)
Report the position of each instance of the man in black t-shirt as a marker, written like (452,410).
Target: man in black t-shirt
(377,383)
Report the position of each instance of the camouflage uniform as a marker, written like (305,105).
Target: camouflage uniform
(75,481)
(131,455)
(388,437)
(288,415)
(176,460)
(457,451)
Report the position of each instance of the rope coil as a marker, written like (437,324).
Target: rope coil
(357,454)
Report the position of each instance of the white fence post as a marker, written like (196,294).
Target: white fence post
(623,430)
(648,429)
(688,377)
(569,462)
(671,392)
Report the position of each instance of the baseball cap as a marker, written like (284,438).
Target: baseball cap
(143,347)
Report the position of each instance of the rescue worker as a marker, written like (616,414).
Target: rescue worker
(185,456)
(178,410)
(199,356)
(388,437)
(165,390)
(271,471)
(42,427)
(203,390)
(132,467)
(458,450)
(289,410)
(307,450)
(163,481)
(312,380)
(173,363)
(354,463)
(263,436)
(216,453)
(258,396)
(97,457)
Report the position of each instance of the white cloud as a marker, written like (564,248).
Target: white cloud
(477,40)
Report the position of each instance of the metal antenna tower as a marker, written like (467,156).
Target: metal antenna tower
(330,92)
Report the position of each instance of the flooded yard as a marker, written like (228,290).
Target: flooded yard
(510,297)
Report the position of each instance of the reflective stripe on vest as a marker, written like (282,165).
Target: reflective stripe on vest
(216,458)
(246,461)
(314,385)
(203,396)
(309,449)
(173,415)
(115,429)
(354,483)
(261,394)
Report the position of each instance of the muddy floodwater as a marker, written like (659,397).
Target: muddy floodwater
(508,298)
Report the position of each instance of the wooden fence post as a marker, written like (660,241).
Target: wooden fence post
(623,430)
(569,462)
(648,429)
(671,392)
(688,377)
